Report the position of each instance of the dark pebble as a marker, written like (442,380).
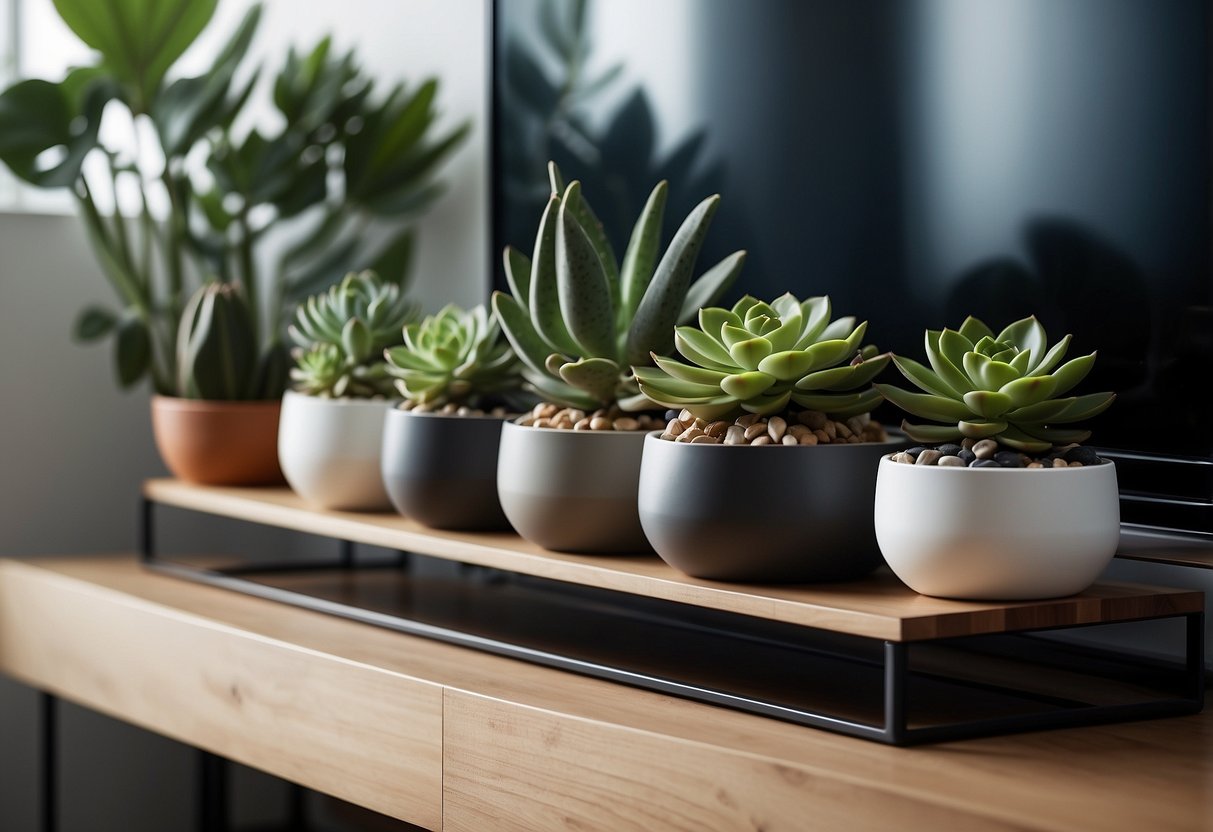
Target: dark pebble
(984,463)
(916,450)
(1008,459)
(950,449)
(967,455)
(671,414)
(1086,456)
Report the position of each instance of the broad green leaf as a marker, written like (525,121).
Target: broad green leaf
(1015,438)
(38,117)
(640,258)
(670,386)
(765,405)
(787,365)
(139,39)
(844,378)
(838,329)
(1052,357)
(555,390)
(585,297)
(132,351)
(93,323)
(1038,413)
(816,313)
(713,319)
(827,353)
(948,372)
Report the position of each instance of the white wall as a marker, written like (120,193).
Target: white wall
(73,449)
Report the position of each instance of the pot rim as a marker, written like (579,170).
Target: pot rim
(160,400)
(481,417)
(615,435)
(895,438)
(352,403)
(887,458)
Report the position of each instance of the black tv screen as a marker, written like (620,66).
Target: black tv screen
(916,160)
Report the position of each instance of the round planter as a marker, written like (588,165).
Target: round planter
(997,533)
(766,514)
(572,491)
(217,442)
(442,470)
(330,448)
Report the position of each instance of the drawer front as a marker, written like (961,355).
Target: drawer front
(364,735)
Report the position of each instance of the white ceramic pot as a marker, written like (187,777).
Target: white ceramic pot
(329,450)
(997,533)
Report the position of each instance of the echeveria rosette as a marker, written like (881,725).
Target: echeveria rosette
(1007,387)
(342,334)
(456,357)
(760,357)
(578,318)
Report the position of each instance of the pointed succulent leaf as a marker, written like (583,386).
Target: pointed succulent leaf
(1084,407)
(743,304)
(518,275)
(1072,372)
(980,429)
(949,373)
(1030,390)
(987,373)
(711,285)
(787,330)
(816,315)
(651,329)
(1022,362)
(750,352)
(585,297)
(924,378)
(1015,438)
(730,335)
(677,369)
(554,362)
(974,330)
(544,302)
(767,404)
(712,321)
(788,365)
(1027,335)
(955,347)
(747,385)
(847,377)
(516,324)
(839,329)
(1038,413)
(926,405)
(576,204)
(1051,358)
(988,404)
(555,179)
(931,433)
(671,386)
(702,349)
(827,353)
(839,405)
(556,391)
(640,258)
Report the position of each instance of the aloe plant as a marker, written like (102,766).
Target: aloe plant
(342,334)
(347,162)
(579,318)
(761,357)
(1007,387)
(456,357)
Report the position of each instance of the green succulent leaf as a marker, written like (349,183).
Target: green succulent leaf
(711,285)
(1015,438)
(844,378)
(686,372)
(713,320)
(927,405)
(924,378)
(750,352)
(1072,372)
(585,297)
(1030,390)
(931,433)
(978,429)
(949,372)
(356,338)
(1084,407)
(766,404)
(1027,335)
(596,376)
(518,274)
(653,379)
(516,325)
(544,302)
(986,372)
(839,405)
(702,349)
(747,385)
(640,258)
(1052,357)
(987,403)
(974,330)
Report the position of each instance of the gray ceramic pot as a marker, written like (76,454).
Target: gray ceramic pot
(572,491)
(766,514)
(442,470)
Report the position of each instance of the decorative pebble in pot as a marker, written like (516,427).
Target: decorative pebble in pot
(768,471)
(999,502)
(460,380)
(567,473)
(331,433)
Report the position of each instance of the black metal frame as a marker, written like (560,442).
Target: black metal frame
(895,729)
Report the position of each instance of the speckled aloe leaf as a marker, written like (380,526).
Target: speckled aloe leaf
(702,349)
(544,301)
(1026,391)
(596,376)
(658,311)
(750,352)
(988,403)
(687,372)
(640,258)
(585,298)
(711,285)
(931,433)
(516,324)
(924,378)
(979,429)
(1051,358)
(839,406)
(577,205)
(987,373)
(1072,372)
(927,405)
(1026,334)
(746,385)
(518,275)
(974,330)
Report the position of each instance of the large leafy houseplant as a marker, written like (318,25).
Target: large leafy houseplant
(349,164)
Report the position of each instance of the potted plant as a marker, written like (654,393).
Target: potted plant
(275,213)
(998,502)
(715,500)
(579,319)
(460,380)
(331,435)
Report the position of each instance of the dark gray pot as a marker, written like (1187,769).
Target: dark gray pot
(765,514)
(442,470)
(572,491)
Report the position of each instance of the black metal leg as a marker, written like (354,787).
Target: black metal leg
(895,673)
(296,807)
(212,793)
(146,530)
(1196,655)
(48,718)
(347,554)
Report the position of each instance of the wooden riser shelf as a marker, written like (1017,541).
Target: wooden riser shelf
(835,656)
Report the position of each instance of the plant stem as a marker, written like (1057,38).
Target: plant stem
(248,273)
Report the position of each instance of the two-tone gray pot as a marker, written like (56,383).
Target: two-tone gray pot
(441,470)
(572,491)
(765,514)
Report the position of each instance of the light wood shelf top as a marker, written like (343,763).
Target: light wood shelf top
(878,607)
(530,748)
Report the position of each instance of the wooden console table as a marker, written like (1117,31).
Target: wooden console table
(449,738)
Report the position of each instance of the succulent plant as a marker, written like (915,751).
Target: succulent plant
(342,335)
(1000,386)
(455,356)
(760,357)
(578,318)
(217,347)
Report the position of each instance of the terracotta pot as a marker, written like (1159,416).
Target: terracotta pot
(218,443)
